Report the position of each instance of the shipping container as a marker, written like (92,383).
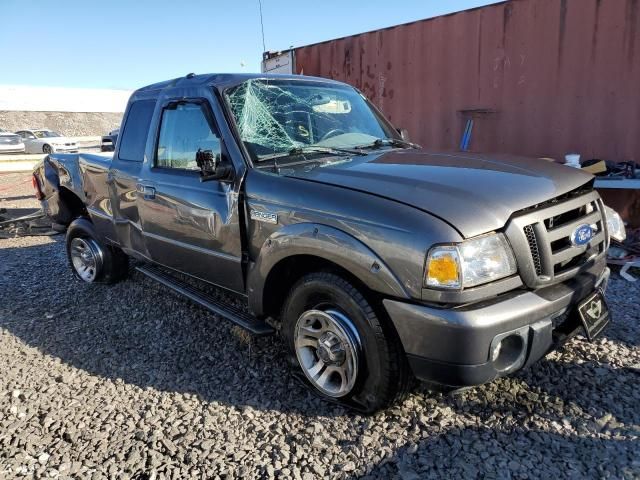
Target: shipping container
(538,77)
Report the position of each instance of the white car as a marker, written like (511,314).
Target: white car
(47,141)
(10,142)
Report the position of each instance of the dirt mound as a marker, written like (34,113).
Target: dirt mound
(74,124)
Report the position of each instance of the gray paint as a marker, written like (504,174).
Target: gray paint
(474,193)
(463,336)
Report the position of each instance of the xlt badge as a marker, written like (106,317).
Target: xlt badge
(264,216)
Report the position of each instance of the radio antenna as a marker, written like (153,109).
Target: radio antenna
(264,48)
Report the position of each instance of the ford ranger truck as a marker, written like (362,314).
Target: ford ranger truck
(377,261)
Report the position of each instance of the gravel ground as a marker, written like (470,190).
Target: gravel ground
(130,381)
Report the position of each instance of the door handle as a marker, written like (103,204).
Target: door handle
(148,193)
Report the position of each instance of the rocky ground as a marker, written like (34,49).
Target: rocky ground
(72,124)
(130,381)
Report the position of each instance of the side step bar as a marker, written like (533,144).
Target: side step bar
(226,310)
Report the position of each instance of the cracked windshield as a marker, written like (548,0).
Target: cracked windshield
(278,118)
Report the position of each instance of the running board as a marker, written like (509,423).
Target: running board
(226,310)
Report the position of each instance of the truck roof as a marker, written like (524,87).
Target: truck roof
(224,80)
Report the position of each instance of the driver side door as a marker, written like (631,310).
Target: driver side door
(189,225)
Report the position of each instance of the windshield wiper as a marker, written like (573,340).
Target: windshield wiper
(393,142)
(295,151)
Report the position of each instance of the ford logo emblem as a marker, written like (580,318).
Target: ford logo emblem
(582,235)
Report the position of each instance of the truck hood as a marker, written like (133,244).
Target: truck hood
(474,193)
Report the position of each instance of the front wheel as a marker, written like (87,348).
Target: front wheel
(345,351)
(47,149)
(91,260)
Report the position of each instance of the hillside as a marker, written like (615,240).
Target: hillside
(68,123)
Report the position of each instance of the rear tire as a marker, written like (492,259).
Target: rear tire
(346,352)
(90,259)
(47,149)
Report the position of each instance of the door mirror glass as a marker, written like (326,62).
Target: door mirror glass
(211,166)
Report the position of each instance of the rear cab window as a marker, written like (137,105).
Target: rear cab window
(136,128)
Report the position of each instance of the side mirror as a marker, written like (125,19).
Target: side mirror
(212,167)
(404,134)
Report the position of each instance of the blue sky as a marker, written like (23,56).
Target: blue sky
(126,44)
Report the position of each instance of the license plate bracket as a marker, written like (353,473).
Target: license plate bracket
(594,314)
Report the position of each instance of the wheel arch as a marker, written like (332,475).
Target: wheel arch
(64,206)
(113,263)
(306,247)
(60,181)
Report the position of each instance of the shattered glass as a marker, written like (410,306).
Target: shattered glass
(278,116)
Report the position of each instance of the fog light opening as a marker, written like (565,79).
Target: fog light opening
(507,353)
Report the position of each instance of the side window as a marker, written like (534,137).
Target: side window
(135,131)
(185,128)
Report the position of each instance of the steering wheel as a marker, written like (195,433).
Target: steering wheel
(332,133)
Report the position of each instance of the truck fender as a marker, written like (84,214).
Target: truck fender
(64,174)
(61,187)
(327,243)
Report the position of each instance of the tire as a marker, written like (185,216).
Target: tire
(90,259)
(327,309)
(46,148)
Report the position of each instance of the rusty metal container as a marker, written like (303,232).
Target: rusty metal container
(539,77)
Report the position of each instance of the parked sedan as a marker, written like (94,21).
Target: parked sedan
(47,141)
(10,142)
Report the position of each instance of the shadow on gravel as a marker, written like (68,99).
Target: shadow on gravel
(10,213)
(482,452)
(589,396)
(596,389)
(554,419)
(139,332)
(557,415)
(20,197)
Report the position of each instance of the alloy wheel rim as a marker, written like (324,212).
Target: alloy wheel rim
(328,348)
(85,257)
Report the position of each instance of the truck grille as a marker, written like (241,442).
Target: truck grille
(541,238)
(533,246)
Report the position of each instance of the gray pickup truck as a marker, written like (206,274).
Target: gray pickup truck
(378,262)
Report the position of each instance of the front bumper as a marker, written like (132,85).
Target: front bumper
(65,149)
(453,346)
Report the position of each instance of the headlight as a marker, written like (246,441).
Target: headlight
(615,225)
(470,263)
